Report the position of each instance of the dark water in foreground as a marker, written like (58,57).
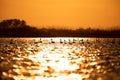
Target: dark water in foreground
(59,59)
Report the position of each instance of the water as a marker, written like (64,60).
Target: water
(59,58)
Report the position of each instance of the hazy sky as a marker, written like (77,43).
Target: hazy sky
(77,13)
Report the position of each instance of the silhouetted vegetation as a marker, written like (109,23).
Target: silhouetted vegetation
(19,28)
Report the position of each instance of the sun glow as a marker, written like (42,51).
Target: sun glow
(57,61)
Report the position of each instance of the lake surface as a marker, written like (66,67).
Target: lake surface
(59,58)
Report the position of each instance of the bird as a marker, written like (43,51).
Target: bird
(74,40)
(65,42)
(81,41)
(88,41)
(40,40)
(70,42)
(52,41)
(61,41)
(11,41)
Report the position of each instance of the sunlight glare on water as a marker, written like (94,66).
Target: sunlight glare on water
(59,59)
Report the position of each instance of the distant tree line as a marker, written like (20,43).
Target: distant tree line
(19,28)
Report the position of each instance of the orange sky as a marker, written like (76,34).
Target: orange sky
(72,13)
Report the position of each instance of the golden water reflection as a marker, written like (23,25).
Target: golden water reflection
(57,61)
